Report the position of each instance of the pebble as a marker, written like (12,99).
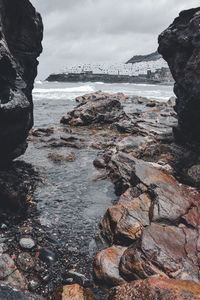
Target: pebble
(25,261)
(3,248)
(27,243)
(48,256)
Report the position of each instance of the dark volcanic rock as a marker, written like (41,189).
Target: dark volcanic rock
(8,293)
(20,45)
(96,110)
(17,182)
(156,289)
(179,44)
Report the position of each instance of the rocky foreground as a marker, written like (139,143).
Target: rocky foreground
(153,229)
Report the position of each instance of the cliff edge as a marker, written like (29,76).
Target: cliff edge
(21,34)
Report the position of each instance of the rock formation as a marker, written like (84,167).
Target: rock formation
(179,44)
(20,45)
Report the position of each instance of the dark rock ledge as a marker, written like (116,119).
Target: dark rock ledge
(20,45)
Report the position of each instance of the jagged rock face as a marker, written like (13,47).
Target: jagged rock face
(20,44)
(180,46)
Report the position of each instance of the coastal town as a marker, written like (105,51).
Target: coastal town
(153,72)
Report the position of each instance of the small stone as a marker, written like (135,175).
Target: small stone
(194,173)
(3,247)
(47,256)
(25,261)
(4,226)
(72,292)
(34,283)
(27,243)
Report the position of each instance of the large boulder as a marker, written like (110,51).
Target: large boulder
(21,33)
(98,108)
(179,44)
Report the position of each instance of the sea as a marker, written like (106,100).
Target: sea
(53,99)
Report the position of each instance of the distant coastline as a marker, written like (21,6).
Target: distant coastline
(160,76)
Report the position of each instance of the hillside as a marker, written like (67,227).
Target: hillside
(144,58)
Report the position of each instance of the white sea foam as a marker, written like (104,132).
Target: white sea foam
(69,93)
(39,82)
(85,88)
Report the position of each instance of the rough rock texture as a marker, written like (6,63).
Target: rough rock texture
(165,212)
(20,45)
(9,273)
(9,293)
(156,289)
(106,266)
(101,95)
(99,108)
(123,223)
(17,182)
(179,44)
(72,292)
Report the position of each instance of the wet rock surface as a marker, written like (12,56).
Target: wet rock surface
(20,45)
(97,109)
(156,288)
(17,183)
(157,214)
(106,266)
(179,45)
(72,292)
(9,293)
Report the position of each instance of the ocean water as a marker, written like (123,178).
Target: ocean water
(52,100)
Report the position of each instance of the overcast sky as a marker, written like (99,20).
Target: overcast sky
(90,31)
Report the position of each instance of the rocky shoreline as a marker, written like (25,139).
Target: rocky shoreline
(153,229)
(138,153)
(148,242)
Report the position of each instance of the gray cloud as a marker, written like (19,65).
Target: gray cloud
(89,31)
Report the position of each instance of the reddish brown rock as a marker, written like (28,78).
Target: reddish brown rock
(106,266)
(156,289)
(163,250)
(171,201)
(124,223)
(9,273)
(159,216)
(72,292)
